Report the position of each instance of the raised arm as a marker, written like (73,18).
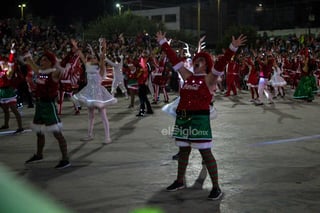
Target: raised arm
(103,47)
(11,61)
(201,44)
(29,60)
(110,62)
(221,64)
(76,49)
(176,62)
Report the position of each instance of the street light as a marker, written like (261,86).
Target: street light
(259,8)
(22,6)
(119,8)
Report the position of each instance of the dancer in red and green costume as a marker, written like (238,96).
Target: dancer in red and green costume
(8,96)
(46,117)
(192,126)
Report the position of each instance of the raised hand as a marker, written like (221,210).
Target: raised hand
(241,40)
(104,43)
(187,49)
(202,39)
(201,44)
(90,48)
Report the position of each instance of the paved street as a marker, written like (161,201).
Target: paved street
(268,159)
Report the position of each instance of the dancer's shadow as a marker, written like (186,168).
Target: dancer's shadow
(41,173)
(126,128)
(280,113)
(192,199)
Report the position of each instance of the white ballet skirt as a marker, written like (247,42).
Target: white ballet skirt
(276,79)
(171,108)
(94,94)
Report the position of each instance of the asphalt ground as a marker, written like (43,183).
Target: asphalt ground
(268,160)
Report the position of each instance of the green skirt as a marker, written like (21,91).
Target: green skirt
(46,113)
(193,127)
(7,95)
(306,89)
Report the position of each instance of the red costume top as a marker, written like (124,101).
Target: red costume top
(232,69)
(143,72)
(4,81)
(195,95)
(46,87)
(161,74)
(266,69)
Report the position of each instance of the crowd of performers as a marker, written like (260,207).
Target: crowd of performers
(41,73)
(267,75)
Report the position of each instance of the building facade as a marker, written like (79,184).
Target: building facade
(213,17)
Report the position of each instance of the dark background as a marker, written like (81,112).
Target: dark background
(77,9)
(65,12)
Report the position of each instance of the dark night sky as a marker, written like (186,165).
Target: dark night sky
(74,9)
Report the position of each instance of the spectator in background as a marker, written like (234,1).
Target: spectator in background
(142,88)
(8,97)
(118,77)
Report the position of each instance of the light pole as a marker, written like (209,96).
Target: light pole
(199,19)
(311,18)
(22,6)
(119,8)
(219,21)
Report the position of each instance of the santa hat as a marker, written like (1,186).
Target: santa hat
(50,56)
(207,57)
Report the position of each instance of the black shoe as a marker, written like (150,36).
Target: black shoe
(175,186)
(215,194)
(20,130)
(63,164)
(140,114)
(150,111)
(4,127)
(258,103)
(19,105)
(34,158)
(175,157)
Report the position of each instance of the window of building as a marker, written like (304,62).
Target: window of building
(157,18)
(170,18)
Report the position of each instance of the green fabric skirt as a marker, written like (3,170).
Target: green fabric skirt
(46,113)
(7,92)
(306,89)
(192,127)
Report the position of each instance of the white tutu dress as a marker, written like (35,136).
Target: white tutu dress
(276,79)
(94,94)
(171,108)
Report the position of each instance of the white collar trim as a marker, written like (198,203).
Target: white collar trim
(47,71)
